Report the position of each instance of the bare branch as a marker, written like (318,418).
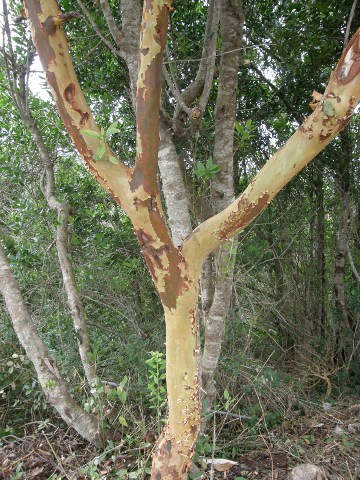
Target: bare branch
(62,245)
(207,57)
(352,264)
(116,51)
(349,22)
(204,76)
(175,91)
(20,92)
(51,381)
(110,22)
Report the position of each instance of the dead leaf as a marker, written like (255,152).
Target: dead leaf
(221,464)
(34,473)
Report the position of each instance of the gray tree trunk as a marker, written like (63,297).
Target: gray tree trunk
(222,187)
(52,383)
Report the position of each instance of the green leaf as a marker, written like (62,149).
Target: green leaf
(226,395)
(123,421)
(200,170)
(134,475)
(100,152)
(112,129)
(122,397)
(113,159)
(91,133)
(239,128)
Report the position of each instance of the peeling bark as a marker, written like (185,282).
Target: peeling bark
(310,138)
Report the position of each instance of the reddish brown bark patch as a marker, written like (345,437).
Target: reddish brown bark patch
(349,65)
(66,118)
(147,108)
(49,26)
(69,95)
(174,282)
(237,220)
(164,452)
(324,135)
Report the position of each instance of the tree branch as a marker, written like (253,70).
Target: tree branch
(349,22)
(110,22)
(175,91)
(332,115)
(52,46)
(54,386)
(116,51)
(207,57)
(352,265)
(152,45)
(62,209)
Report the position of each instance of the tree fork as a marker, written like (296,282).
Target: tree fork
(175,271)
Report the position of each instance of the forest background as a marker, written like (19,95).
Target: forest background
(291,339)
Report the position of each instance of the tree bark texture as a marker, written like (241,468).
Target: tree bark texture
(174,188)
(222,185)
(175,270)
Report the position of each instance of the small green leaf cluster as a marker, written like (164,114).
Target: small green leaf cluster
(156,383)
(18,472)
(207,171)
(243,133)
(203,449)
(228,400)
(103,137)
(50,384)
(102,399)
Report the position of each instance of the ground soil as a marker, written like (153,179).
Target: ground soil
(330,439)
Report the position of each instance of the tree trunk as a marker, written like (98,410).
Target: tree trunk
(175,271)
(52,383)
(173,187)
(319,290)
(222,186)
